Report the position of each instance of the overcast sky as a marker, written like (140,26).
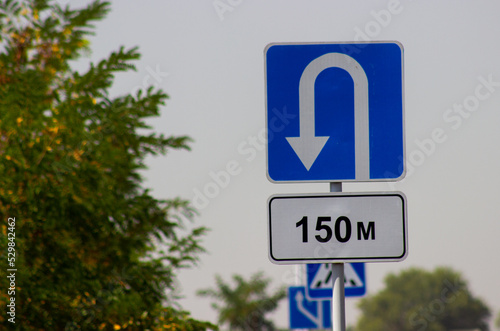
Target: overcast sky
(209,57)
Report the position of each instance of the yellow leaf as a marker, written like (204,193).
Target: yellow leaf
(117,327)
(76,155)
(19,120)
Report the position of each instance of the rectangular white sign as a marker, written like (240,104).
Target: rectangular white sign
(337,227)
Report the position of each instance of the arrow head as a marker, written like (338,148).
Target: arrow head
(307,148)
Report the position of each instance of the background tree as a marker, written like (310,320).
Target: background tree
(70,157)
(421,300)
(244,306)
(497,322)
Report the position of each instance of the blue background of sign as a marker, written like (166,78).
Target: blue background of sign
(311,270)
(334,113)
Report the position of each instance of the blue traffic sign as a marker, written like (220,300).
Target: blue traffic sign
(335,112)
(319,280)
(308,314)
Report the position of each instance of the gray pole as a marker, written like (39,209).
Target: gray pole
(338,298)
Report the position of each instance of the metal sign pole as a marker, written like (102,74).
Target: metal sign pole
(338,297)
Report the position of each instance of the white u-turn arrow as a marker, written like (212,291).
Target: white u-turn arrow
(307,146)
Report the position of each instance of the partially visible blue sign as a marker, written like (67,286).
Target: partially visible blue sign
(308,314)
(319,280)
(335,112)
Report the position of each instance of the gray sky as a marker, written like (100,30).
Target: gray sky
(208,56)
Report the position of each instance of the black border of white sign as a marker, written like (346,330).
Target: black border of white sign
(337,227)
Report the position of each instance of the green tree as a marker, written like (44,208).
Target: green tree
(497,322)
(86,231)
(417,299)
(244,306)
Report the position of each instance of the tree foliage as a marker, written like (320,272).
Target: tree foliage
(244,306)
(70,156)
(421,300)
